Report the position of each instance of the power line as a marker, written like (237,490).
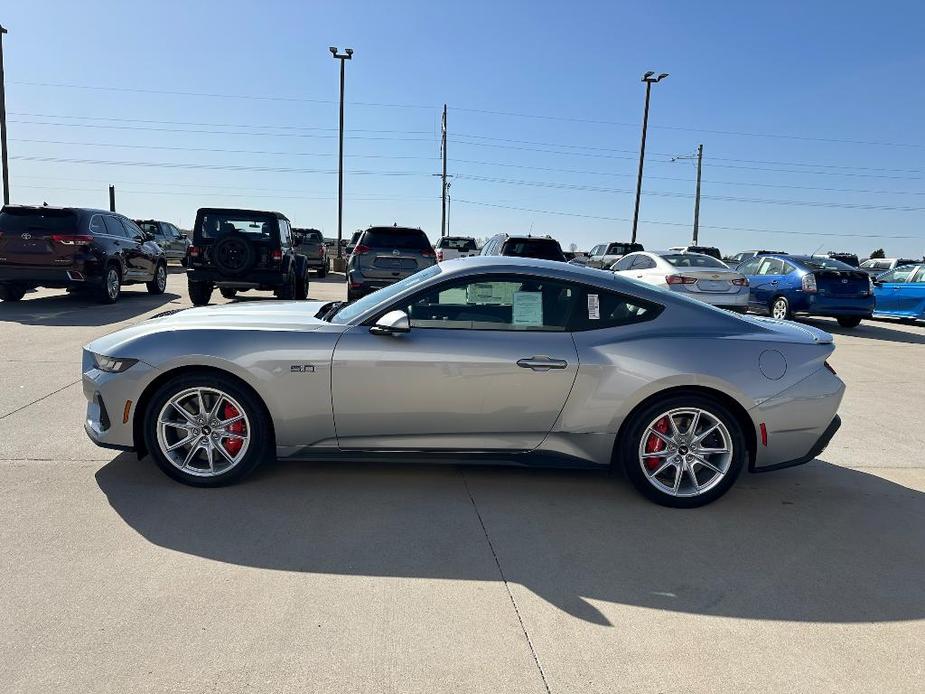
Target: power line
(681,224)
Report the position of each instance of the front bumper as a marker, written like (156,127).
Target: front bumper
(112,399)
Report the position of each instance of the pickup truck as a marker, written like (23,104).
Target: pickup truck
(450,247)
(604,255)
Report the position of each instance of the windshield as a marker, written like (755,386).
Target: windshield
(825,264)
(692,260)
(41,221)
(384,295)
(215,224)
(623,248)
(412,239)
(313,236)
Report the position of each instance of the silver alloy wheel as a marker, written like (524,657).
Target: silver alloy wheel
(197,437)
(685,452)
(779,309)
(161,277)
(112,283)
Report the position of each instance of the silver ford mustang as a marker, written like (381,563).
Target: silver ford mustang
(486,359)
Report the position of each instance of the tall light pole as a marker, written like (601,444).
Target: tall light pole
(3,154)
(339,260)
(649,78)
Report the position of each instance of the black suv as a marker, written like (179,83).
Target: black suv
(542,247)
(237,250)
(173,241)
(75,248)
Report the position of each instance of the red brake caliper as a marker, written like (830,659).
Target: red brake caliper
(655,445)
(233,446)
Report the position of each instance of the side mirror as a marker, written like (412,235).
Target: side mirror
(878,283)
(183,236)
(392,323)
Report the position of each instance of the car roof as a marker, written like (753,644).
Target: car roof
(241,211)
(83,210)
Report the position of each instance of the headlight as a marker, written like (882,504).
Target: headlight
(112,364)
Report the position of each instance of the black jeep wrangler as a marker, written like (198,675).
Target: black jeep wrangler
(237,250)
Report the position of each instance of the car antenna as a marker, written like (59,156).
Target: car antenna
(818,248)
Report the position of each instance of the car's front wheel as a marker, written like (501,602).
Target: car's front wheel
(11,292)
(683,451)
(206,430)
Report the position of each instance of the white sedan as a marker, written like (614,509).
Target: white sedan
(696,275)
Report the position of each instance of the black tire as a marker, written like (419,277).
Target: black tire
(302,282)
(200,293)
(158,285)
(287,291)
(11,292)
(323,270)
(782,306)
(262,446)
(353,295)
(108,292)
(228,293)
(627,448)
(849,321)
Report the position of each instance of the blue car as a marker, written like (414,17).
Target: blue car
(787,285)
(900,293)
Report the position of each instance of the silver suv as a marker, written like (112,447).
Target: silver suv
(384,255)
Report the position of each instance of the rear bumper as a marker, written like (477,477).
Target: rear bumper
(316,262)
(797,420)
(358,282)
(737,299)
(821,305)
(57,277)
(253,279)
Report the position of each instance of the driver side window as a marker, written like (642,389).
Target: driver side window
(494,303)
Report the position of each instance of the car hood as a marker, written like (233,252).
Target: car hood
(263,315)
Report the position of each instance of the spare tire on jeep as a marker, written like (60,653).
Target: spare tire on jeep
(234,254)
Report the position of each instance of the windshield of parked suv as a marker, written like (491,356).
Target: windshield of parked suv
(543,249)
(623,248)
(824,264)
(215,224)
(361,306)
(693,260)
(36,220)
(408,239)
(457,243)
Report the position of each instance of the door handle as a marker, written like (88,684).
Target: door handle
(541,363)
(774,282)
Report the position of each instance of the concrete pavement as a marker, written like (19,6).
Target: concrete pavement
(376,578)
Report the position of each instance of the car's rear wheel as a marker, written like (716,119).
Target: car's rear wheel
(780,308)
(228,293)
(11,292)
(323,270)
(159,284)
(206,430)
(200,292)
(108,293)
(683,451)
(301,288)
(849,321)
(287,290)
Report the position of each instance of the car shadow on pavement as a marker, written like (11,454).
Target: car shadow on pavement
(80,309)
(872,331)
(820,543)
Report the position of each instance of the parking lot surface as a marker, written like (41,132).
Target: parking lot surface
(377,578)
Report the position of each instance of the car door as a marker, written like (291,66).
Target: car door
(597,255)
(487,364)
(141,255)
(644,269)
(907,290)
(887,289)
(768,280)
(913,302)
(120,246)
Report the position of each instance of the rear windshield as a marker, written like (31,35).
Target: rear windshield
(408,239)
(310,235)
(623,248)
(215,224)
(149,227)
(543,249)
(692,260)
(706,250)
(37,221)
(825,264)
(457,243)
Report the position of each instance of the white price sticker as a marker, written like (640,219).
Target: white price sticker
(594,307)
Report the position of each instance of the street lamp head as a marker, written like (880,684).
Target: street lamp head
(662,76)
(333,50)
(645,77)
(349,52)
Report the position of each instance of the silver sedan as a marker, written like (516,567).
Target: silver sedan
(488,359)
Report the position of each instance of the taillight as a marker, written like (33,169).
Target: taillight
(276,254)
(72,239)
(193,251)
(439,256)
(679,279)
(809,283)
(360,249)
(430,253)
(740,281)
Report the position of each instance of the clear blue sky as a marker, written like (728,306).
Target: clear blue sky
(833,95)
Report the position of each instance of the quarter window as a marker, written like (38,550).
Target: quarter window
(624,263)
(599,308)
(114,226)
(97,226)
(771,266)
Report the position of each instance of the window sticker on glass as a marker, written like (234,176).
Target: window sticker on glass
(594,307)
(528,308)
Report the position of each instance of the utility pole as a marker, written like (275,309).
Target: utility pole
(650,79)
(449,206)
(3,152)
(339,264)
(112,198)
(697,195)
(443,216)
